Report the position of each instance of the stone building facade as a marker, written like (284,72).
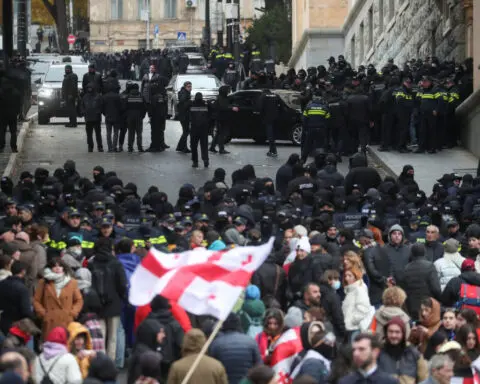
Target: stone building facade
(376,30)
(116,25)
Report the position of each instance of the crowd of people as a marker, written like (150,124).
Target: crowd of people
(368,280)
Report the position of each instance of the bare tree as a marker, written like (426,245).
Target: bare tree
(58,11)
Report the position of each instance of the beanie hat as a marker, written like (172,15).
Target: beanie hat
(418,250)
(304,244)
(451,246)
(300,230)
(397,321)
(468,265)
(294,317)
(57,335)
(252,292)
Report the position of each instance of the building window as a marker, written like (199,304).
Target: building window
(391,9)
(170,9)
(116,9)
(370,28)
(353,52)
(380,15)
(142,6)
(361,37)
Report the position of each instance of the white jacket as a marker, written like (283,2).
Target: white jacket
(65,369)
(356,305)
(448,267)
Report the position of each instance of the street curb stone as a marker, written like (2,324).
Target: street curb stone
(14,159)
(378,160)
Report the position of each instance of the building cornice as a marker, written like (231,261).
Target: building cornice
(352,15)
(311,32)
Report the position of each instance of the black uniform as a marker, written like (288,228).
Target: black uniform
(92,78)
(112,109)
(230,77)
(359,117)
(270,108)
(135,113)
(200,120)
(315,119)
(70,94)
(10,105)
(184,103)
(427,139)
(92,109)
(403,100)
(158,113)
(222,108)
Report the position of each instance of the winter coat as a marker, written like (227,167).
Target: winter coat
(451,293)
(15,302)
(74,330)
(232,236)
(377,265)
(434,250)
(330,176)
(92,78)
(237,352)
(384,314)
(116,286)
(64,369)
(377,377)
(356,305)
(409,369)
(29,257)
(361,174)
(112,107)
(420,281)
(92,107)
(57,311)
(448,267)
(208,371)
(40,250)
(184,103)
(251,315)
(283,177)
(302,272)
(398,257)
(330,302)
(266,277)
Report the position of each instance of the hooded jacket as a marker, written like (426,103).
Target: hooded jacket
(329,176)
(386,313)
(398,255)
(146,340)
(356,305)
(361,174)
(448,267)
(92,105)
(15,302)
(74,330)
(420,280)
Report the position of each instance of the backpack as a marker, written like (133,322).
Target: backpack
(101,278)
(168,348)
(256,325)
(469,298)
(46,378)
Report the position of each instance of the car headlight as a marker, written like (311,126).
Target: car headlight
(45,92)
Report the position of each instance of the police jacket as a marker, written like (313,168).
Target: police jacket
(184,102)
(403,100)
(230,77)
(269,107)
(70,86)
(135,106)
(94,78)
(427,101)
(358,107)
(92,107)
(222,108)
(200,115)
(316,114)
(112,107)
(453,98)
(338,108)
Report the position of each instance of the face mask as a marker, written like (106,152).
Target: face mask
(76,252)
(336,285)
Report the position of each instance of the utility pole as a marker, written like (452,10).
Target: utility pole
(236,31)
(207,25)
(70,10)
(228,11)
(220,23)
(147,13)
(22,27)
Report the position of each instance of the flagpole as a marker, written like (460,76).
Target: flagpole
(203,351)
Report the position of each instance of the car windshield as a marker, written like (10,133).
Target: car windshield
(199,82)
(196,61)
(55,74)
(40,68)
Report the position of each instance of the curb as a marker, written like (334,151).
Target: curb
(376,158)
(13,161)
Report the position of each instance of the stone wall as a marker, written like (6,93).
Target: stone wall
(413,29)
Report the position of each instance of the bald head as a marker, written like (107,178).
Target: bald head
(23,236)
(15,362)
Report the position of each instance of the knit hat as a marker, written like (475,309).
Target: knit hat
(450,346)
(294,317)
(57,335)
(300,230)
(304,244)
(417,250)
(451,246)
(397,321)
(468,265)
(252,292)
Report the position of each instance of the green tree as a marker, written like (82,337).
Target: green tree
(272,33)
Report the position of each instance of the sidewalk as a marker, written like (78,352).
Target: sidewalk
(429,168)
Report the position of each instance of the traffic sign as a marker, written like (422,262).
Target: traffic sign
(181,36)
(71,39)
(156,29)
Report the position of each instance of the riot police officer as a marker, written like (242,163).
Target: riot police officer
(315,118)
(200,121)
(230,77)
(270,107)
(135,113)
(70,95)
(158,114)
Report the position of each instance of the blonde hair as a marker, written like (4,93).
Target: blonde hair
(394,297)
(354,259)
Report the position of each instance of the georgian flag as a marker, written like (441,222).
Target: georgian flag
(286,348)
(202,282)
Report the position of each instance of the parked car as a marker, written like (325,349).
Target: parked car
(205,83)
(247,122)
(50,94)
(38,69)
(196,63)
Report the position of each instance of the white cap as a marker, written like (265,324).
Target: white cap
(304,244)
(300,230)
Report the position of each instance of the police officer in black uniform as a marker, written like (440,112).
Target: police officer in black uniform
(184,102)
(230,77)
(200,121)
(10,105)
(70,95)
(270,108)
(158,113)
(315,118)
(92,77)
(136,110)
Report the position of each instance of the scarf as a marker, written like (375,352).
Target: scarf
(21,334)
(4,274)
(60,281)
(53,349)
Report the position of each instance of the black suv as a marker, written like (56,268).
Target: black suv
(247,122)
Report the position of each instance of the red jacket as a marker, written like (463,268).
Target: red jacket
(178,313)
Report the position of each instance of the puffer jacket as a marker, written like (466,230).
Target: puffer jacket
(448,267)
(356,305)
(434,250)
(386,313)
(74,330)
(398,256)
